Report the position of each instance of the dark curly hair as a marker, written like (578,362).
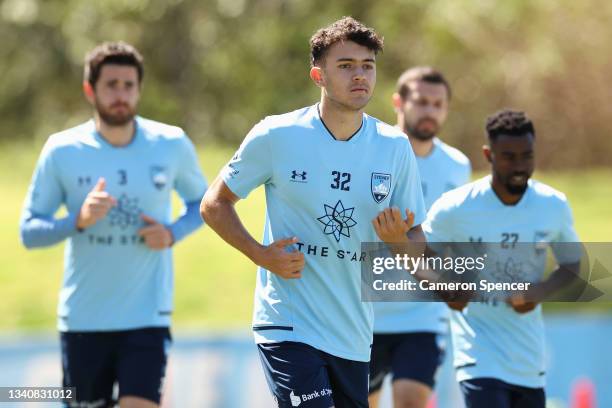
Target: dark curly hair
(345,29)
(508,122)
(120,53)
(424,74)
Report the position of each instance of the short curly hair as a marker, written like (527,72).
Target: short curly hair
(508,122)
(345,29)
(119,53)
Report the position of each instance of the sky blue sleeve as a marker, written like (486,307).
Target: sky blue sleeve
(408,193)
(189,221)
(191,185)
(38,226)
(251,165)
(41,231)
(437,226)
(189,182)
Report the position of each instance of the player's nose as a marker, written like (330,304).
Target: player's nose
(359,74)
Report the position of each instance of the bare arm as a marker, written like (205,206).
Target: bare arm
(402,238)
(560,278)
(416,234)
(218,210)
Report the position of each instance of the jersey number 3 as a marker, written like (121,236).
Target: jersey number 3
(122,177)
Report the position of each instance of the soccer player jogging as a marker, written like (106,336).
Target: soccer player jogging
(114,175)
(334,177)
(408,336)
(499,345)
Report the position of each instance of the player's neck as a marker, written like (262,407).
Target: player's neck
(503,194)
(420,147)
(115,135)
(340,121)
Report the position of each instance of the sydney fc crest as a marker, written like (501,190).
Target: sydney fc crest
(381,186)
(159,177)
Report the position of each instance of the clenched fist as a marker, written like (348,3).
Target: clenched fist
(276,259)
(520,304)
(156,235)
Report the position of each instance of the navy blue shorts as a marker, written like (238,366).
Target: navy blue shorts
(301,375)
(490,392)
(134,359)
(410,356)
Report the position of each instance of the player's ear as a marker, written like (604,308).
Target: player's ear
(396,99)
(486,150)
(316,74)
(88,91)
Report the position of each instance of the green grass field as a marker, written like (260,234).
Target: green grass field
(214,282)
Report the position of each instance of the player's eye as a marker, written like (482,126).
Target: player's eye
(344,66)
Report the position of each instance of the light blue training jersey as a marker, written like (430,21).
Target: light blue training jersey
(112,280)
(325,192)
(491,339)
(443,169)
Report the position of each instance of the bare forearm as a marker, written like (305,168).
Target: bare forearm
(217,209)
(221,216)
(413,245)
(416,234)
(560,278)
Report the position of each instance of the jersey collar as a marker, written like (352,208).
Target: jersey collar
(521,203)
(325,129)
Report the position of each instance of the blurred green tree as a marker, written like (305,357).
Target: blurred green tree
(216,67)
